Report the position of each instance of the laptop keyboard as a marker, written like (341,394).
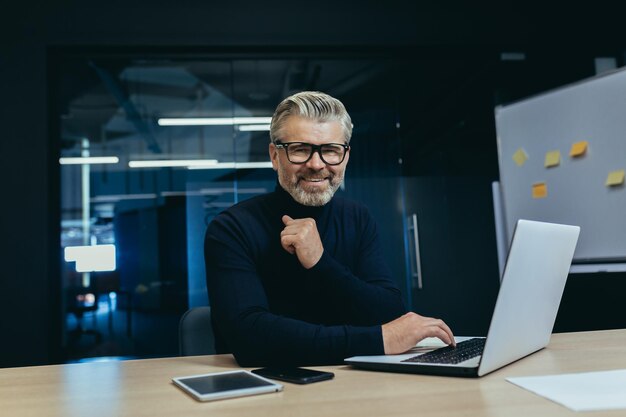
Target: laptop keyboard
(463,351)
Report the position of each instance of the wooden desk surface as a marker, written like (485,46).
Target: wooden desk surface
(144,388)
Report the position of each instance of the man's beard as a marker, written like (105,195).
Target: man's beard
(310,198)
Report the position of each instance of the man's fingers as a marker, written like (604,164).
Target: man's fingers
(440,334)
(297,226)
(404,332)
(290,230)
(441,329)
(440,324)
(300,237)
(449,332)
(287,243)
(443,326)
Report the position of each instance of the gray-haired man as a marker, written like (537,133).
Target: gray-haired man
(296,276)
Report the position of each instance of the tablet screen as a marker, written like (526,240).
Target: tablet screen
(227,384)
(209,384)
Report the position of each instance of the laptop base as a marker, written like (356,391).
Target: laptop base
(417,369)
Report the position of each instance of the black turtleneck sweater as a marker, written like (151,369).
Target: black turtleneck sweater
(267,309)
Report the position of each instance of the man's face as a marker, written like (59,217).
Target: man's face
(313,183)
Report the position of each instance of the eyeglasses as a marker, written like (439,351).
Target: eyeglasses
(301,152)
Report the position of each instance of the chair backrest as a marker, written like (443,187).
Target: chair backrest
(195,332)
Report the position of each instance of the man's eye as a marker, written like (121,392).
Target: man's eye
(300,149)
(332,150)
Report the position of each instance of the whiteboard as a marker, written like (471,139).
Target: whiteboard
(592,110)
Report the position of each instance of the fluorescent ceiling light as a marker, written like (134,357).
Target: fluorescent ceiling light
(234,165)
(165,163)
(254,128)
(213,121)
(113,198)
(89,160)
(91,258)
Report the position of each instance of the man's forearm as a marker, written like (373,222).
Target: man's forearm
(370,299)
(264,339)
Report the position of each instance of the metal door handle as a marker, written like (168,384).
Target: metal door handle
(416,262)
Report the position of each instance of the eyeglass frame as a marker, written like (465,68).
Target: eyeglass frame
(314,148)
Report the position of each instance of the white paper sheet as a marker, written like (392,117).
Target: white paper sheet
(587,391)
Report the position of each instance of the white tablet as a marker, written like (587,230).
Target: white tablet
(219,385)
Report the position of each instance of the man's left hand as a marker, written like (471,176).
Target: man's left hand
(300,237)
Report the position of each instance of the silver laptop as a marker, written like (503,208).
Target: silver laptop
(530,293)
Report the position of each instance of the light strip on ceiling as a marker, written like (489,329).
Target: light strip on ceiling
(89,160)
(254,128)
(234,165)
(114,198)
(170,163)
(213,121)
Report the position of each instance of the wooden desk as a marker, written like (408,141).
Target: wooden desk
(143,387)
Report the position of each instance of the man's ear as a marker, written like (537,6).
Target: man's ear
(273,150)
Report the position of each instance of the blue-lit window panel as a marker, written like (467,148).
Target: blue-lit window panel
(92,258)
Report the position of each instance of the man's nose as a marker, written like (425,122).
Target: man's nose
(316,161)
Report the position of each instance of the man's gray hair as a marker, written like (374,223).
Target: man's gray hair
(312,105)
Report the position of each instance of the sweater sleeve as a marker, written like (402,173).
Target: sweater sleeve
(255,335)
(367,294)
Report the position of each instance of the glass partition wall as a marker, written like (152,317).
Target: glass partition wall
(152,148)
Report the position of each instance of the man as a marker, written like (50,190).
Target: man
(297,276)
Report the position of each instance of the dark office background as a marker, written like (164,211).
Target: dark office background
(560,44)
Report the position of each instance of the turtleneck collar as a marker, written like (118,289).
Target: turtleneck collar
(294,209)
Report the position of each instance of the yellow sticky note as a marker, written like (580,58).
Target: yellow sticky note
(520,156)
(578,149)
(553,158)
(540,190)
(615,178)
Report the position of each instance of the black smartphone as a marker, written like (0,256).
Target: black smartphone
(294,375)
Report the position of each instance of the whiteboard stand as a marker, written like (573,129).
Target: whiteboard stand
(593,268)
(498,214)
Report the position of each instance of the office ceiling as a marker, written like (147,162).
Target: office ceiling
(117,107)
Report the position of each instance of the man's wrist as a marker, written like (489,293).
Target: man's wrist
(321,263)
(384,332)
(316,261)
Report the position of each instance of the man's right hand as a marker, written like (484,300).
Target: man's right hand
(406,331)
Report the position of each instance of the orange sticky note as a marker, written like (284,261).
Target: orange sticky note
(540,190)
(578,149)
(553,158)
(615,178)
(520,156)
